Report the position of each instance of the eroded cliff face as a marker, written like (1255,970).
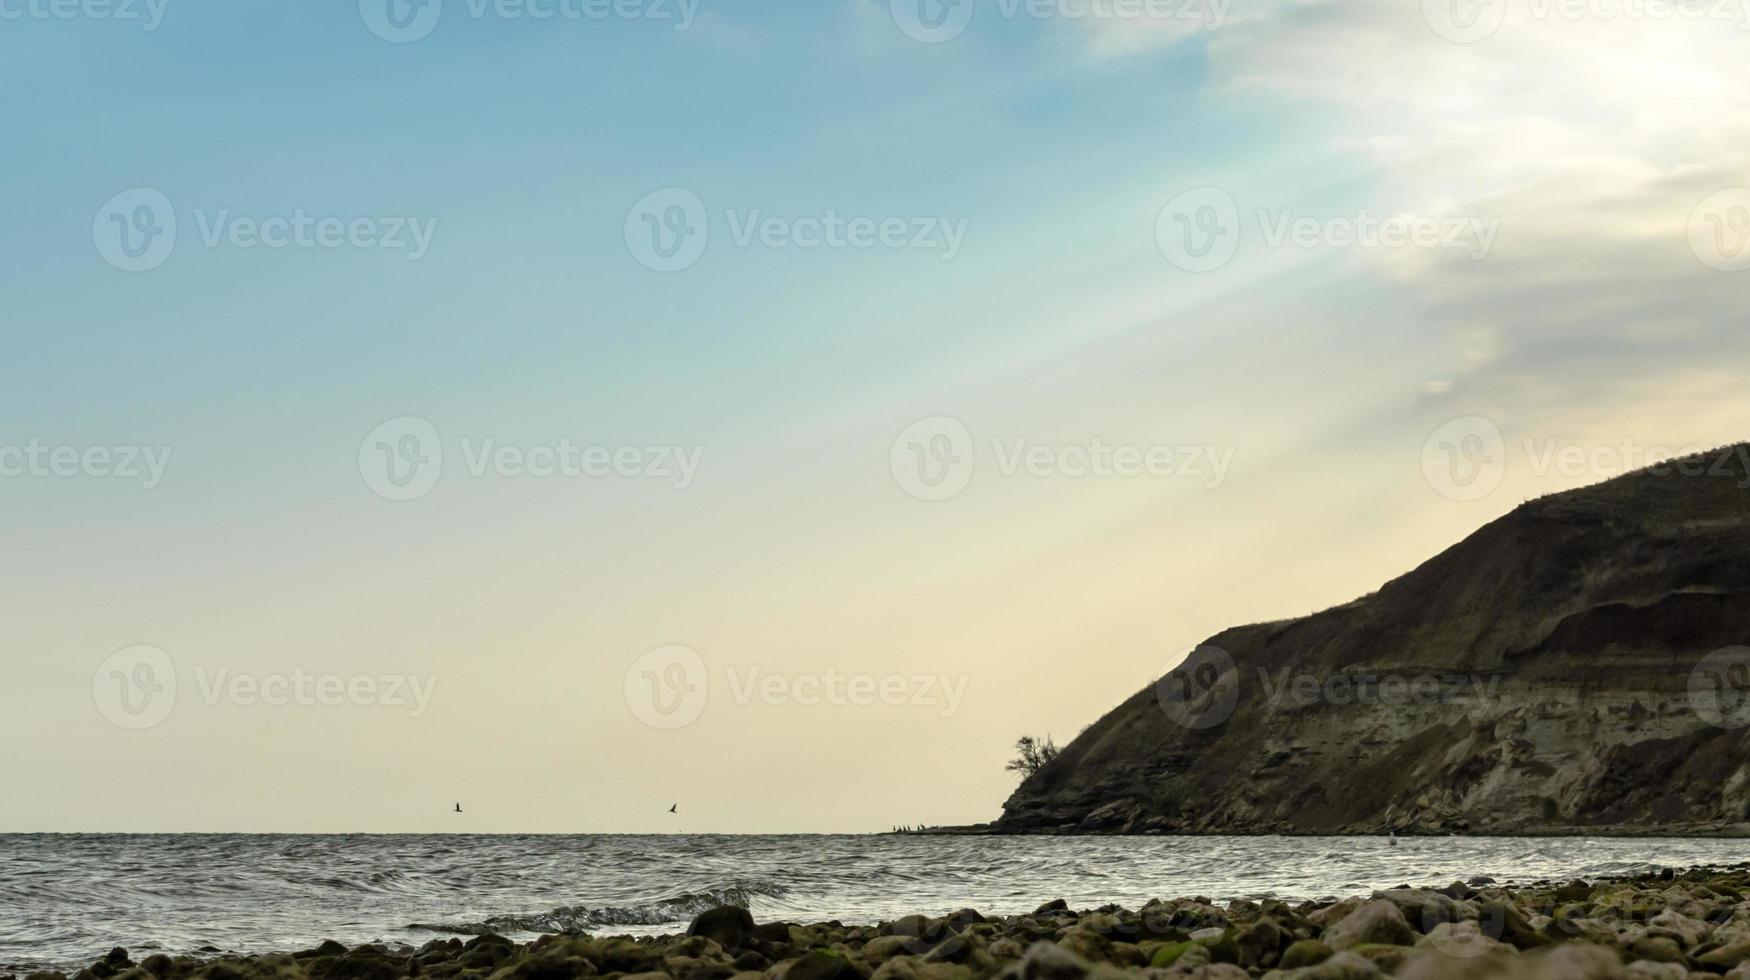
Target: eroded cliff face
(1581,665)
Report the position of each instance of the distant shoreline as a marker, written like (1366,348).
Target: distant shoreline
(1733,832)
(1737,831)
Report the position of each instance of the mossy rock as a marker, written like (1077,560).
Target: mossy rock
(1225,949)
(1384,955)
(1306,952)
(1128,954)
(1260,943)
(1573,891)
(547,968)
(1187,952)
(1168,953)
(823,964)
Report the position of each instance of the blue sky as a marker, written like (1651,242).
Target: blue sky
(1324,370)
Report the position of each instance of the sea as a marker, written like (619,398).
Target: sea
(65,900)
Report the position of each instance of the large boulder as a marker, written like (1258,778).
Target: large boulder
(1049,961)
(1377,922)
(729,926)
(1423,910)
(823,965)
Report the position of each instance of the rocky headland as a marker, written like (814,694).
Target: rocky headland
(1650,927)
(1581,665)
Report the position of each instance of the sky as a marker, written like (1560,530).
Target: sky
(571,409)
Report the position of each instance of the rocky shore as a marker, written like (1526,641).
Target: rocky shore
(1666,925)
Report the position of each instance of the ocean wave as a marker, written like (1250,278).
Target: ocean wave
(64,900)
(578,919)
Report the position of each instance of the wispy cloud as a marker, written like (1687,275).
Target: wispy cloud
(1593,135)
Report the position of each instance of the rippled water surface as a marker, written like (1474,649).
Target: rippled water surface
(64,900)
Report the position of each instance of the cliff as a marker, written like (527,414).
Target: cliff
(1581,665)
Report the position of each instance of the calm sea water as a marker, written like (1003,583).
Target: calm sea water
(66,899)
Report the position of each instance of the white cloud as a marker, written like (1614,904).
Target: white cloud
(1590,130)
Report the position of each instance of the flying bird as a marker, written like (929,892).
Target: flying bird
(676,809)
(458,808)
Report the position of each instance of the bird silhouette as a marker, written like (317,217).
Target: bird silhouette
(676,809)
(458,808)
